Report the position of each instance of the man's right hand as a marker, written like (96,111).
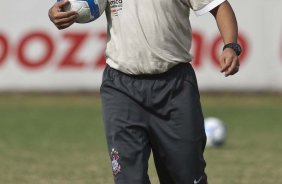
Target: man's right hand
(61,19)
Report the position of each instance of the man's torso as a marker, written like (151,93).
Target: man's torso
(149,36)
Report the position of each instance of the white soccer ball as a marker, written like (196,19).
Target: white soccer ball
(88,10)
(215,131)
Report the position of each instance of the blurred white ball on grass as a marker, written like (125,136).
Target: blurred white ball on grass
(216,132)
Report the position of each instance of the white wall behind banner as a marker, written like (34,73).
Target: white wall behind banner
(35,56)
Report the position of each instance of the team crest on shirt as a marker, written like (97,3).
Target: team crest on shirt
(115,162)
(116,6)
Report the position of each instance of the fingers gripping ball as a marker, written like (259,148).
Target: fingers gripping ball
(88,10)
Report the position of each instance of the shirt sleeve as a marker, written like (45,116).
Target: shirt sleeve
(201,7)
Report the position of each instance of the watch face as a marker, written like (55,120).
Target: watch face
(236,47)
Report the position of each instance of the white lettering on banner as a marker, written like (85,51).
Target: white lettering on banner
(77,39)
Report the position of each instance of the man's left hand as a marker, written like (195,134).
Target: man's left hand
(229,62)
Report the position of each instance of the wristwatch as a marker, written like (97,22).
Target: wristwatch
(235,46)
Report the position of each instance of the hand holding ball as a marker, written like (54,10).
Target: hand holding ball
(88,10)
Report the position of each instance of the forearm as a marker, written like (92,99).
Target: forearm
(227,25)
(226,22)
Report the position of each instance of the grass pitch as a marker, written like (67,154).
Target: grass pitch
(59,139)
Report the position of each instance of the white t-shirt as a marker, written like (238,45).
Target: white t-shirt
(151,36)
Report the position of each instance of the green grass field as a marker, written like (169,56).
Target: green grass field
(59,139)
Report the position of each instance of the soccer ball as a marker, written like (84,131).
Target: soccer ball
(88,10)
(215,131)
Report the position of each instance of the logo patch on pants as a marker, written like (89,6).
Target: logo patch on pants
(115,162)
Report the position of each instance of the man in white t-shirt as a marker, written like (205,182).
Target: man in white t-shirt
(149,90)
